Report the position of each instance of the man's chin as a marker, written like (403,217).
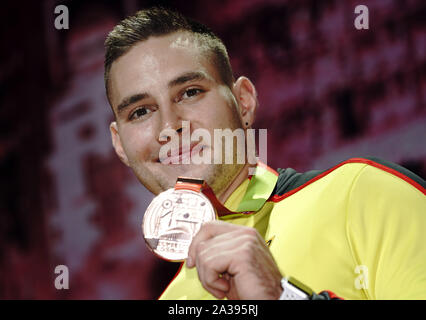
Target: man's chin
(187,170)
(167,174)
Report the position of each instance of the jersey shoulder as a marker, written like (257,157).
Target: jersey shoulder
(290,181)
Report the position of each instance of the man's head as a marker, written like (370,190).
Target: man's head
(156,22)
(162,69)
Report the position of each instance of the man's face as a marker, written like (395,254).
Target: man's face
(158,84)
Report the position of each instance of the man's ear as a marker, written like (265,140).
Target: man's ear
(116,142)
(246,95)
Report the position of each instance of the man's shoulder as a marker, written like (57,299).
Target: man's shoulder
(290,181)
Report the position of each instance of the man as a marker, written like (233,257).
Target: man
(356,229)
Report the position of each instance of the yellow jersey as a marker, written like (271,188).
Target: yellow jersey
(357,229)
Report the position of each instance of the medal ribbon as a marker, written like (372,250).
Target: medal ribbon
(260,187)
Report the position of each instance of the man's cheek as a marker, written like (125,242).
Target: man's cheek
(137,147)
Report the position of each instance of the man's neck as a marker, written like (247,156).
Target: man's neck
(241,176)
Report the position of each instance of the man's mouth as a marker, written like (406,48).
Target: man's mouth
(181,155)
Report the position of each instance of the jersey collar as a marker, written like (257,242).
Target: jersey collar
(258,191)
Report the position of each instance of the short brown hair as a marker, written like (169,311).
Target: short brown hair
(159,21)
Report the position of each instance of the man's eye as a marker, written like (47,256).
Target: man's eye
(191,93)
(140,112)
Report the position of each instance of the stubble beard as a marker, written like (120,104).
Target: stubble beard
(217,176)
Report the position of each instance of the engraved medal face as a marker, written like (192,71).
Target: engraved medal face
(172,220)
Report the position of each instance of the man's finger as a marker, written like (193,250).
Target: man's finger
(207,231)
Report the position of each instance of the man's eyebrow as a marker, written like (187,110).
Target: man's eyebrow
(129,100)
(186,77)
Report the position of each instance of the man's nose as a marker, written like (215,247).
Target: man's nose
(170,123)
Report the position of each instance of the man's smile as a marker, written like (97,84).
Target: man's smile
(182,155)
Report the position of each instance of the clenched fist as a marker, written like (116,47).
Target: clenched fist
(233,261)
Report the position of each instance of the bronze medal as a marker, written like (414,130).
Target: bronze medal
(172,220)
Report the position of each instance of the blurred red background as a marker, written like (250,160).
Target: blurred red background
(327,92)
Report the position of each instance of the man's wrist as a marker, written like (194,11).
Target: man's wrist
(294,290)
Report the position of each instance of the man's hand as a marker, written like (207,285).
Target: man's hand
(233,261)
